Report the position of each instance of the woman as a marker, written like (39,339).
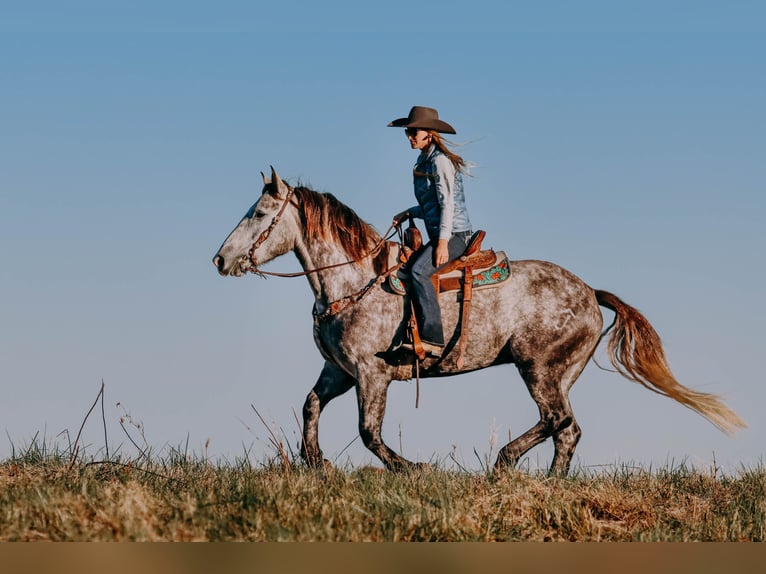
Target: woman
(438,179)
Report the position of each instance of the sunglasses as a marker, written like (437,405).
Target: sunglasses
(411,132)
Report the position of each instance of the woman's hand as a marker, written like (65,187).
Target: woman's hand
(442,253)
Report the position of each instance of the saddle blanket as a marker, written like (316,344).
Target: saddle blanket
(483,277)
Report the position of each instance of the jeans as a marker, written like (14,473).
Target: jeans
(426,300)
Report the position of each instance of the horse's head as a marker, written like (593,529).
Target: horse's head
(267,230)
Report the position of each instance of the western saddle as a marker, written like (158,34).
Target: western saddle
(456,275)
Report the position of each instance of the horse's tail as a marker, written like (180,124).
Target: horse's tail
(636,352)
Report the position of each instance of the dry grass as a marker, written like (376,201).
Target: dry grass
(48,496)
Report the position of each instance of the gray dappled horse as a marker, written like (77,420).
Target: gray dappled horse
(543,319)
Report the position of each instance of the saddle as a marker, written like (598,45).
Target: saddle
(458,273)
(474,269)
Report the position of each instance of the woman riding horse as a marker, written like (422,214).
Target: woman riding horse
(438,179)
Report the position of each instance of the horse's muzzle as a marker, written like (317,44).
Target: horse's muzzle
(219,263)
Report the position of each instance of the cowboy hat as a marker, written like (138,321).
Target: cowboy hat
(423,118)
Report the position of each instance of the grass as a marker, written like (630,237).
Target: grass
(63,494)
(47,494)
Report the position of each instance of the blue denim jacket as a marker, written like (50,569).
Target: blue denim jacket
(439,192)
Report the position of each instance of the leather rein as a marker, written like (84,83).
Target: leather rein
(336,306)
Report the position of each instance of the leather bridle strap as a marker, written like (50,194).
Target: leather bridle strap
(345,302)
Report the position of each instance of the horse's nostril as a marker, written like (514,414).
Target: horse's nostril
(218,262)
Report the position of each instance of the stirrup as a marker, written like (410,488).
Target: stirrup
(432,350)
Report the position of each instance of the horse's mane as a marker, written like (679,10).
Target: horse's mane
(326,217)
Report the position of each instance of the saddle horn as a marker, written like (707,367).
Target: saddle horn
(412,237)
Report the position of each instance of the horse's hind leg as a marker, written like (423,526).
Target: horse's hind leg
(565,440)
(553,418)
(332,382)
(549,382)
(566,436)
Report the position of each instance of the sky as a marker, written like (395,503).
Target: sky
(623,141)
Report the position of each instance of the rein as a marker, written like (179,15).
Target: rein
(336,306)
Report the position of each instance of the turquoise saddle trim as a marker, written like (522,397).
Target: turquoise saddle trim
(484,278)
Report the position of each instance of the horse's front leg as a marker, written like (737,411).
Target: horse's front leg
(332,382)
(371,396)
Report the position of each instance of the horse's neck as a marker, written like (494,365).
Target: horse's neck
(332,284)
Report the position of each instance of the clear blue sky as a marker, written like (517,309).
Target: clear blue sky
(624,141)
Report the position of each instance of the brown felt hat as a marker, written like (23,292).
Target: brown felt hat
(424,119)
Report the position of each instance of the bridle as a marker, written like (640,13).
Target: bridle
(265,234)
(253,263)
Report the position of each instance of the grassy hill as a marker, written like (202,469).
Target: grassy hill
(52,496)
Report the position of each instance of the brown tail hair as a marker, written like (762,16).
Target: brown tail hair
(636,352)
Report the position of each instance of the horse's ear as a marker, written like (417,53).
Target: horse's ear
(279,186)
(266,180)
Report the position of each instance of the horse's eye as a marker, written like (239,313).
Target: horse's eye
(259,214)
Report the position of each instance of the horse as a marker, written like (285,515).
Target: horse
(543,319)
